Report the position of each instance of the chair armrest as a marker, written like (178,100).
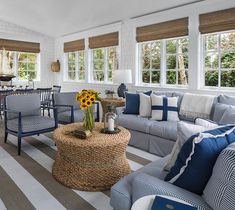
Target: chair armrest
(19,118)
(66,106)
(97,103)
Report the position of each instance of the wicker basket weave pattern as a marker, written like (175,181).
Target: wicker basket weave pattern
(93,164)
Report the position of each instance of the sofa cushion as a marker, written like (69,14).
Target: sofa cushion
(228,116)
(145,105)
(180,97)
(196,159)
(144,184)
(32,123)
(230,100)
(164,129)
(164,108)
(133,102)
(184,132)
(163,93)
(134,122)
(219,111)
(219,192)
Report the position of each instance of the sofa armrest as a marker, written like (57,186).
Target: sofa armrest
(120,110)
(11,111)
(66,106)
(144,184)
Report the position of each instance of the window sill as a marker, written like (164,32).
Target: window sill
(162,87)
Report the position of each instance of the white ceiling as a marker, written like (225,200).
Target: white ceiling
(60,17)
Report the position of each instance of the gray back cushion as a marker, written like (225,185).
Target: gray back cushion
(219,192)
(28,105)
(219,111)
(230,100)
(66,99)
(180,97)
(163,93)
(228,116)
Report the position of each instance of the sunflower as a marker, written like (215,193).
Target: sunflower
(92,99)
(88,103)
(83,106)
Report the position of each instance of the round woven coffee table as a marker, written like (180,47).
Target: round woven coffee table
(92,164)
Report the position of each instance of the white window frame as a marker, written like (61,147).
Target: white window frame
(77,65)
(219,51)
(106,70)
(16,64)
(163,65)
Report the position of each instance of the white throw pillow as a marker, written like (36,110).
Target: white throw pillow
(205,123)
(145,105)
(164,108)
(184,132)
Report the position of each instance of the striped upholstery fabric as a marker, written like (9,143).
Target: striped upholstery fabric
(219,192)
(156,186)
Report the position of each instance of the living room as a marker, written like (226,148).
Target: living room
(117,105)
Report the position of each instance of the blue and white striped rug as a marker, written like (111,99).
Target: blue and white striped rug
(26,181)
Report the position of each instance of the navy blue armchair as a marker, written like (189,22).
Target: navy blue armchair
(22,117)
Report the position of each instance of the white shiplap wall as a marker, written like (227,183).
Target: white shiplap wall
(15,32)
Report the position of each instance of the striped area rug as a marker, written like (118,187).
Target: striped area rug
(26,181)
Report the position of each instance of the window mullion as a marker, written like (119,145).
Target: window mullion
(163,63)
(105,65)
(219,63)
(77,65)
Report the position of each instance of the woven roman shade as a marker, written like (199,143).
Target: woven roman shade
(20,46)
(217,21)
(164,30)
(105,40)
(74,45)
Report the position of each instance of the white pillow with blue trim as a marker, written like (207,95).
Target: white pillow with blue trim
(164,108)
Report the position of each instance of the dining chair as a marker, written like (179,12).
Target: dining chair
(45,98)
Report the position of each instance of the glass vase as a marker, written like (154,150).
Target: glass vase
(89,120)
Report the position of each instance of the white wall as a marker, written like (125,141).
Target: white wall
(12,31)
(127,44)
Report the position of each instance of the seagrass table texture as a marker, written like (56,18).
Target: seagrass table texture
(93,164)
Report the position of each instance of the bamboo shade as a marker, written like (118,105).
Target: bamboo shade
(20,46)
(164,30)
(105,40)
(74,45)
(217,21)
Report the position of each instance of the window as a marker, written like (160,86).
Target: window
(164,62)
(150,62)
(104,62)
(219,59)
(25,65)
(177,61)
(76,65)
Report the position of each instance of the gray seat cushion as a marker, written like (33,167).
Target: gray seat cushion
(164,129)
(134,122)
(219,192)
(121,198)
(66,116)
(144,184)
(32,123)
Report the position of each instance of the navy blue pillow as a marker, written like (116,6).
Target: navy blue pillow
(197,157)
(133,102)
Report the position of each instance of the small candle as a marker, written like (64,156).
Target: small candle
(111,124)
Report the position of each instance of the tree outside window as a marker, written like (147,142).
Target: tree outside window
(76,65)
(104,62)
(173,53)
(219,59)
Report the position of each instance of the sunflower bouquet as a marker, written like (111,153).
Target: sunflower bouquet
(87,98)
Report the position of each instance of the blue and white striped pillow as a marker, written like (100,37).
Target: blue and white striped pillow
(164,108)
